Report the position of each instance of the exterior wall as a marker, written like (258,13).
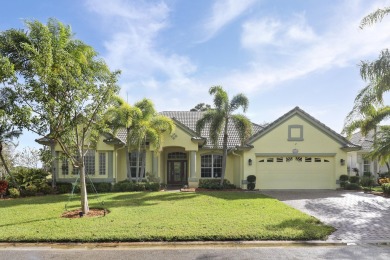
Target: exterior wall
(110,162)
(313,141)
(356,160)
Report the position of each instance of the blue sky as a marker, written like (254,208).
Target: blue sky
(280,53)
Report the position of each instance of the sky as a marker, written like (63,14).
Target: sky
(279,53)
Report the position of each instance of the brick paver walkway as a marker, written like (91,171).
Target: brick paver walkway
(357,216)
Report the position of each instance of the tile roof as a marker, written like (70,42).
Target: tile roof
(366,142)
(189,119)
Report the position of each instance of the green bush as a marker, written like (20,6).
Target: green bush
(30,190)
(127,185)
(367,174)
(386,188)
(64,187)
(352,186)
(14,192)
(344,178)
(99,186)
(152,186)
(367,181)
(251,178)
(215,184)
(354,179)
(343,183)
(251,186)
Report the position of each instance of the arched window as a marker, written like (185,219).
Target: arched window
(211,166)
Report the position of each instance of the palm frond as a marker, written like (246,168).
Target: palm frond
(243,126)
(374,17)
(239,100)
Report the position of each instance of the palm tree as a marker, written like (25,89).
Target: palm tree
(142,123)
(120,116)
(381,148)
(219,119)
(147,125)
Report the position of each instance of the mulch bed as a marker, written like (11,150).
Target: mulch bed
(93,212)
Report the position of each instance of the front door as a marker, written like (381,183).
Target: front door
(177,172)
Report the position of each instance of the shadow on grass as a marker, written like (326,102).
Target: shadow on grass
(234,195)
(27,222)
(305,229)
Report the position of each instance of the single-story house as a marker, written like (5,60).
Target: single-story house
(296,151)
(358,163)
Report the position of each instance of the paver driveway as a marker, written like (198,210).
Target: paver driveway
(357,216)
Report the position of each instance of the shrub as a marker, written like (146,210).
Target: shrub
(383,180)
(251,178)
(45,189)
(99,186)
(352,186)
(64,187)
(344,178)
(14,192)
(30,190)
(251,186)
(367,174)
(354,179)
(3,187)
(343,183)
(367,181)
(215,184)
(127,185)
(386,188)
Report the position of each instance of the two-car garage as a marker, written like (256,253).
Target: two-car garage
(295,172)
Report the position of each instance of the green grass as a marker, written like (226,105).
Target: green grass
(159,216)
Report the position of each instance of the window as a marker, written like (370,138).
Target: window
(317,159)
(289,159)
(279,159)
(65,166)
(133,163)
(298,159)
(326,160)
(261,160)
(366,166)
(270,159)
(177,156)
(102,163)
(211,166)
(308,159)
(89,162)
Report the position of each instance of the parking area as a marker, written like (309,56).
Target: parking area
(358,217)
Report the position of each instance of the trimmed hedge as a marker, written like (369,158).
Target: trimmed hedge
(386,188)
(214,184)
(127,185)
(344,178)
(354,179)
(352,186)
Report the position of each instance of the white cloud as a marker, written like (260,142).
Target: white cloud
(132,29)
(224,12)
(297,50)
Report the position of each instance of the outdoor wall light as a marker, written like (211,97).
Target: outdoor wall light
(342,161)
(250,161)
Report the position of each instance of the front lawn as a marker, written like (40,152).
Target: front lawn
(158,216)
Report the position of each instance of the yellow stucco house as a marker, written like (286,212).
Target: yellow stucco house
(296,151)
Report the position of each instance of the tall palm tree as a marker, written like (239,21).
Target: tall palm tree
(219,119)
(120,116)
(148,125)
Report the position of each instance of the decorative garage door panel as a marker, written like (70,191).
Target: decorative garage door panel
(295,172)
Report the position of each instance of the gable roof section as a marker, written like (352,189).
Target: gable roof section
(188,119)
(346,145)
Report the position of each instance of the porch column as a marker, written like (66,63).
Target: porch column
(154,165)
(192,167)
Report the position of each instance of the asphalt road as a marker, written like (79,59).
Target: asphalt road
(227,251)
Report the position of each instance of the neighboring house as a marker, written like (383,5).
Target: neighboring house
(294,152)
(357,161)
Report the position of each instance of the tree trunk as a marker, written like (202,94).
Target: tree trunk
(128,169)
(376,160)
(224,148)
(54,171)
(137,163)
(83,187)
(6,167)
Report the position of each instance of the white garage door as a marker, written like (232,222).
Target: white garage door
(286,172)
